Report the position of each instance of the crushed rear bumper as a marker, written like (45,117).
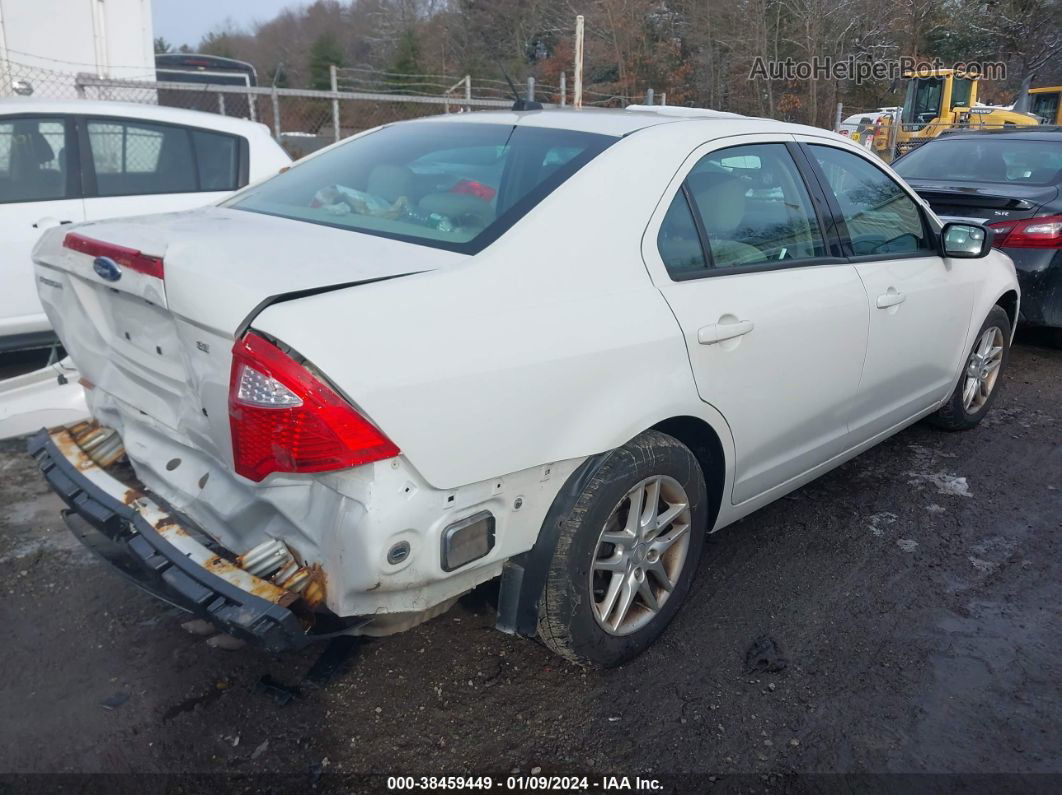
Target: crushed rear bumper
(150,546)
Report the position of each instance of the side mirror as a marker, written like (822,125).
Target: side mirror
(965,241)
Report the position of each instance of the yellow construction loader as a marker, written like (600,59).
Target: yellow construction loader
(1044,104)
(939,101)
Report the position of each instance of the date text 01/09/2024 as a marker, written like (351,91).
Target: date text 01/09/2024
(527,782)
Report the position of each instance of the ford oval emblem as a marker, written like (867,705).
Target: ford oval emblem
(107,269)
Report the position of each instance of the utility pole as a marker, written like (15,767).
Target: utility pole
(577,97)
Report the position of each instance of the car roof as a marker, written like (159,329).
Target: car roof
(620,122)
(1031,133)
(135,110)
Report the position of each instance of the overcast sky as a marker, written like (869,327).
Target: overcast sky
(185,21)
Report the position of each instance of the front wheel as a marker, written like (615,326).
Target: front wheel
(627,549)
(981,377)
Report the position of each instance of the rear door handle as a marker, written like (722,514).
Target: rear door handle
(717,332)
(890,298)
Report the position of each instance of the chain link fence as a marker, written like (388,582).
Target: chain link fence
(303,120)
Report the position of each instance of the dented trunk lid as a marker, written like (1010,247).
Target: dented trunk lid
(162,347)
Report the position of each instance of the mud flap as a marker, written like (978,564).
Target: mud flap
(523,579)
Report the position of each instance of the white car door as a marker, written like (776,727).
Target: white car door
(135,167)
(920,303)
(40,187)
(775,325)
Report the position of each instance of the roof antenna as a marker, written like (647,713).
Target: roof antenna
(519,104)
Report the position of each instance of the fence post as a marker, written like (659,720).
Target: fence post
(468,92)
(577,98)
(335,100)
(838,117)
(221,102)
(530,89)
(276,114)
(563,89)
(663,97)
(648,96)
(894,135)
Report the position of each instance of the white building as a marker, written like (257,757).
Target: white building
(44,43)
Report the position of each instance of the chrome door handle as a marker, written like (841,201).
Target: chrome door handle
(717,332)
(890,298)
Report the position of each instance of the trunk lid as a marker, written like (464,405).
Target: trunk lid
(984,202)
(162,347)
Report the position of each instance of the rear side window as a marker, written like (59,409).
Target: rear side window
(133,158)
(880,216)
(32,160)
(217,158)
(456,186)
(753,208)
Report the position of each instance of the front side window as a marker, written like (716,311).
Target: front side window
(451,185)
(881,217)
(752,206)
(922,104)
(32,160)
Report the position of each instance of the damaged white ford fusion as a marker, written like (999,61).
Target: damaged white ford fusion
(555,347)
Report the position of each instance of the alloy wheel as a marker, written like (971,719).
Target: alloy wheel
(982,370)
(640,555)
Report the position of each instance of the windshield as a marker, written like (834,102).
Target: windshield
(988,159)
(451,185)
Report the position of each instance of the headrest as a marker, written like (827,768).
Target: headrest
(389,182)
(42,150)
(721,200)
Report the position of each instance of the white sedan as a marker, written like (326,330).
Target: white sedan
(555,347)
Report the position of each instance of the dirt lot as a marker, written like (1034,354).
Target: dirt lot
(915,593)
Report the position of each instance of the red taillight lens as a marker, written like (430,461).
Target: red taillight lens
(283,419)
(1042,232)
(126,257)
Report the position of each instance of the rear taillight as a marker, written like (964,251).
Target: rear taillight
(283,419)
(126,257)
(1042,232)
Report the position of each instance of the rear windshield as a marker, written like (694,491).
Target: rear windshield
(988,159)
(451,185)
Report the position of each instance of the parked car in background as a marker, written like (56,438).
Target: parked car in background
(861,127)
(557,347)
(1012,183)
(64,162)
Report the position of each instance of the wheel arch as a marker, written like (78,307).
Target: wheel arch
(524,576)
(1009,303)
(707,448)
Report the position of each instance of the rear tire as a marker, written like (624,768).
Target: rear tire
(981,378)
(618,576)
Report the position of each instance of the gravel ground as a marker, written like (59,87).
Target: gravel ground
(913,598)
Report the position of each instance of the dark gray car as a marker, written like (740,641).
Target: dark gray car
(1012,182)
